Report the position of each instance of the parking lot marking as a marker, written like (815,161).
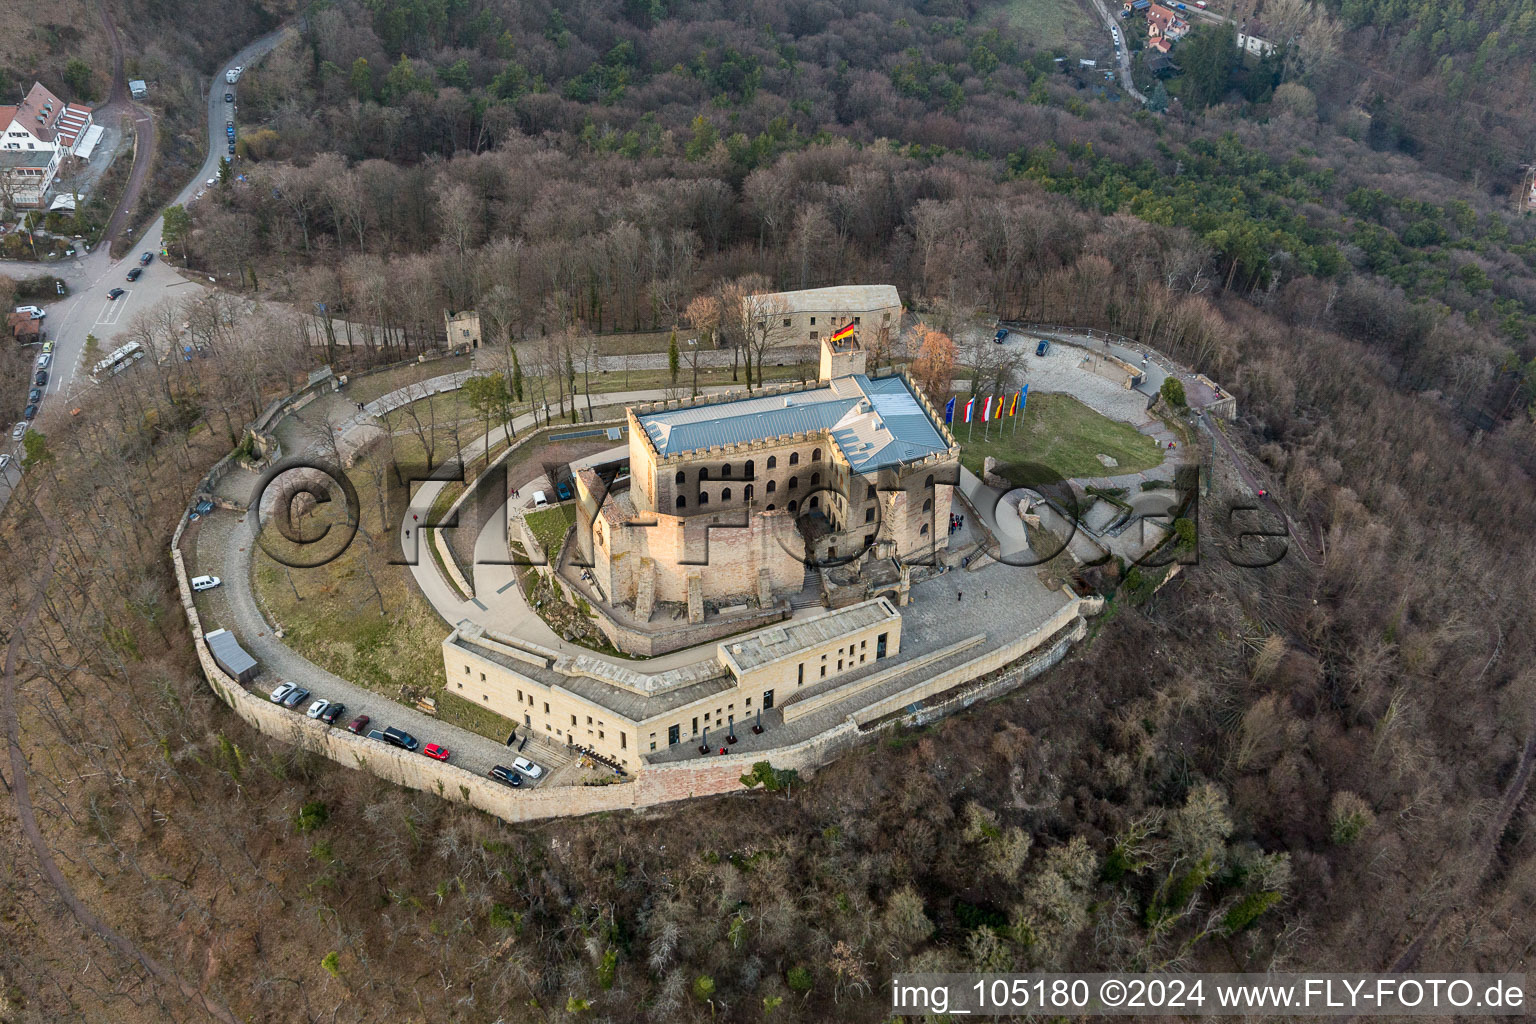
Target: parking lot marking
(112,309)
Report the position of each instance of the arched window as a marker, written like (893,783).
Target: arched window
(792,506)
(773,462)
(703,498)
(772,486)
(725,471)
(815,479)
(815,454)
(725,495)
(751,469)
(794,482)
(929,482)
(682,502)
(924,531)
(703,472)
(815,501)
(770,507)
(681,476)
(928,505)
(746,492)
(794,458)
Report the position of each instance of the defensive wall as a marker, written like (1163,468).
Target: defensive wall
(654,784)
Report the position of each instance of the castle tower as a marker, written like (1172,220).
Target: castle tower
(841,358)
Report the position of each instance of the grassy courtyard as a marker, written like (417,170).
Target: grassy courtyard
(1061,434)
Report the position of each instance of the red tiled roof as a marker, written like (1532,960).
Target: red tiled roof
(47,117)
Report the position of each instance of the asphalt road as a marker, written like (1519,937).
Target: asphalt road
(89,276)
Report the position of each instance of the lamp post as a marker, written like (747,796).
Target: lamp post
(693,347)
(704,742)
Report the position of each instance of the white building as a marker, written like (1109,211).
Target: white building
(1254,44)
(39,134)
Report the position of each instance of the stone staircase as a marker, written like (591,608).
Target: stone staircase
(810,590)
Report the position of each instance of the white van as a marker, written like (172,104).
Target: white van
(232,75)
(33,311)
(205,582)
(539,501)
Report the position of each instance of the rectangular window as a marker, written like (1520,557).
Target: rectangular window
(749,702)
(823,671)
(839,664)
(672,735)
(786,321)
(519,692)
(623,741)
(863,644)
(573,719)
(589,719)
(653,744)
(801,677)
(482,677)
(466,670)
(869,515)
(461,686)
(855,321)
(813,321)
(695,726)
(767,700)
(880,646)
(485,697)
(599,734)
(546,707)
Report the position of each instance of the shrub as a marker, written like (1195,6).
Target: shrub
(703,988)
(1349,816)
(312,815)
(1173,392)
(332,963)
(799,979)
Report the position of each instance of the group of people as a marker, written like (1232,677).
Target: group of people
(955,523)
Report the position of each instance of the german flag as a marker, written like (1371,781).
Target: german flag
(845,331)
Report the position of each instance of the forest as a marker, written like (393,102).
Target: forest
(1320,764)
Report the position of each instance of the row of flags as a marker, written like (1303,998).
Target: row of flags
(991,408)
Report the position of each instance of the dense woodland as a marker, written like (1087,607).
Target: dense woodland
(1304,766)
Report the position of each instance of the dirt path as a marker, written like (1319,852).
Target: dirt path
(119,104)
(27,816)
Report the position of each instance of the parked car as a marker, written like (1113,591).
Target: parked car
(114,293)
(1001,336)
(47,346)
(539,500)
(375,735)
(35,395)
(358,725)
(436,752)
(1044,347)
(133,275)
(400,738)
(211,182)
(43,360)
(527,767)
(35,312)
(229,97)
(146,258)
(231,146)
(502,773)
(29,413)
(333,711)
(317,708)
(19,431)
(283,690)
(40,379)
(205,582)
(298,696)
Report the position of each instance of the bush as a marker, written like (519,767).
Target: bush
(1349,816)
(332,963)
(703,988)
(312,815)
(1173,392)
(799,979)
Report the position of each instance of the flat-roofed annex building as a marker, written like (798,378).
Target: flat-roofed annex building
(624,714)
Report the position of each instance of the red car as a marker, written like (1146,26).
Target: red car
(358,725)
(435,752)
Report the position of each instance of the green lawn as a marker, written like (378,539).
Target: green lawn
(1061,434)
(548,527)
(1049,24)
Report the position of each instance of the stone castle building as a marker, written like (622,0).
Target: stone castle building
(726,496)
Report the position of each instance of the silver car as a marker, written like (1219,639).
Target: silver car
(19,431)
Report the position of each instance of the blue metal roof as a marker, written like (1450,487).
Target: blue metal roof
(875,423)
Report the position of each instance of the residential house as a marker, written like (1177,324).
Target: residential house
(1164,28)
(23,328)
(40,133)
(1249,41)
